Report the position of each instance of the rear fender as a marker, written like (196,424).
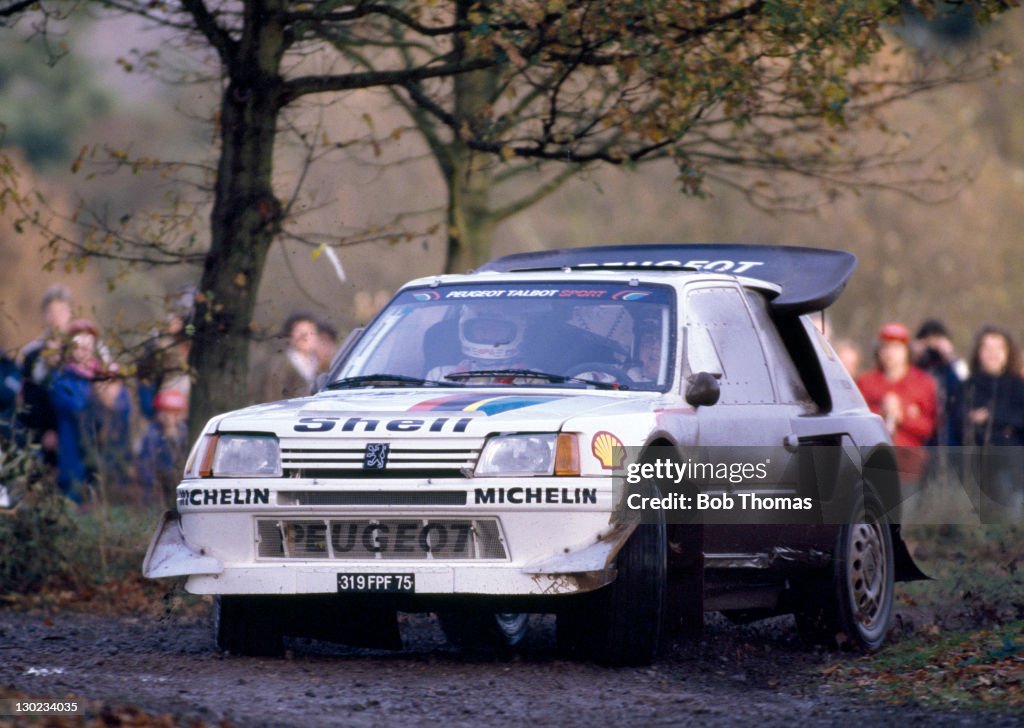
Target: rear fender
(906,569)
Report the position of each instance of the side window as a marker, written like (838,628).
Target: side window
(788,384)
(719,316)
(701,355)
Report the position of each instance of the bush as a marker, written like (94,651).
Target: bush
(47,543)
(36,532)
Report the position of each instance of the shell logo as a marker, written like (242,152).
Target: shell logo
(608,449)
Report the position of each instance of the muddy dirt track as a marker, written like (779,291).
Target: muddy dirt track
(756,675)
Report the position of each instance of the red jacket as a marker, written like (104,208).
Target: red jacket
(917,395)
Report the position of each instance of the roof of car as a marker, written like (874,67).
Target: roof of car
(810,279)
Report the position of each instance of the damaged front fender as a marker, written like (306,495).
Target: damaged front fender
(584,569)
(169,555)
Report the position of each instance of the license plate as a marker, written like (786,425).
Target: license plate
(376,583)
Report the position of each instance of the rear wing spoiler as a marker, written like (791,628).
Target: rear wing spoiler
(811,279)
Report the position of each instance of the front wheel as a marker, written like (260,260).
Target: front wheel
(620,624)
(855,603)
(248,625)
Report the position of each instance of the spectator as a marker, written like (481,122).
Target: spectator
(39,360)
(71,395)
(932,334)
(92,410)
(293,372)
(933,353)
(164,365)
(994,407)
(904,396)
(994,393)
(109,434)
(164,447)
(849,354)
(326,346)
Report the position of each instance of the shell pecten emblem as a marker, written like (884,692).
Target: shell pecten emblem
(608,449)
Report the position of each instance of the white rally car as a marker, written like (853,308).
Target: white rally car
(467,456)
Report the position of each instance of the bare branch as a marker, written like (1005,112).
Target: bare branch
(536,195)
(306,85)
(365,10)
(207,24)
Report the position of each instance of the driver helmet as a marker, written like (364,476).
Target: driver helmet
(490,334)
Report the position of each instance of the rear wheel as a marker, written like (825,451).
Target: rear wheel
(853,604)
(248,625)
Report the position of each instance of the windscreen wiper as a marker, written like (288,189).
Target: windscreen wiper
(531,374)
(386,380)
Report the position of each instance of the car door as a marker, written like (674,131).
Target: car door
(748,425)
(827,461)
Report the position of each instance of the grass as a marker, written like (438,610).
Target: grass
(977,576)
(959,639)
(970,670)
(54,555)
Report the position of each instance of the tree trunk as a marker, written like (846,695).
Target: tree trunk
(470,222)
(245,217)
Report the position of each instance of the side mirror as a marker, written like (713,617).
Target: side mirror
(702,389)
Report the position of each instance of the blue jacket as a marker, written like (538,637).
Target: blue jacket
(71,396)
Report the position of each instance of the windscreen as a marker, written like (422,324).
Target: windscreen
(523,334)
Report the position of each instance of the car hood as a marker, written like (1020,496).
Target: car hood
(407,413)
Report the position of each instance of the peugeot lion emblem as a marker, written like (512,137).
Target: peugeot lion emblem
(375,457)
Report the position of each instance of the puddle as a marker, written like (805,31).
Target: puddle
(44,671)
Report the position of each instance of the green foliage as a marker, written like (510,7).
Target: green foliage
(36,535)
(45,100)
(754,93)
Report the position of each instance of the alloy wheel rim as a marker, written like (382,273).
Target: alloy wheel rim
(867,573)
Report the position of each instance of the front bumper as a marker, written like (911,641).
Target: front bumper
(554,541)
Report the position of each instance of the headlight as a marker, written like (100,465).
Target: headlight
(249,456)
(546,454)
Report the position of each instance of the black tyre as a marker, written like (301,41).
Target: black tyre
(852,605)
(573,623)
(620,624)
(476,629)
(248,625)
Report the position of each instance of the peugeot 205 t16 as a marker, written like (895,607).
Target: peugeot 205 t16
(624,436)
